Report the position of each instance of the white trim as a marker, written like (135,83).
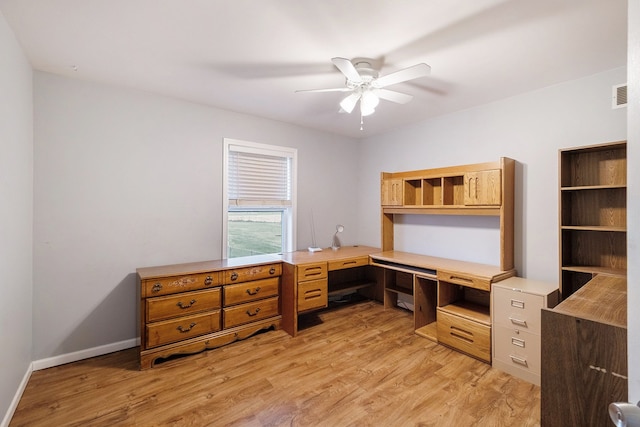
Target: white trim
(16,399)
(84,354)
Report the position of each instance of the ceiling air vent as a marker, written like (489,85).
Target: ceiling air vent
(619,96)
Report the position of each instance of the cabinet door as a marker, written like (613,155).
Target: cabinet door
(391,192)
(483,188)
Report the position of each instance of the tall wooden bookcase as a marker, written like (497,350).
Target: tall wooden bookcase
(592,213)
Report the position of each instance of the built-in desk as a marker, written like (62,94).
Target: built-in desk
(451,298)
(309,278)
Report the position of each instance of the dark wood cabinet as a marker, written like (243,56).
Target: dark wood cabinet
(584,354)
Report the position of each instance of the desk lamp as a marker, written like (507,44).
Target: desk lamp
(335,244)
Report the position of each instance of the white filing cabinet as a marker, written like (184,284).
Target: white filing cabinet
(516,310)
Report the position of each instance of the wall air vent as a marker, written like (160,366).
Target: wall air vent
(619,98)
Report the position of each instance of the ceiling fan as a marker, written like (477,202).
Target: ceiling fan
(365,85)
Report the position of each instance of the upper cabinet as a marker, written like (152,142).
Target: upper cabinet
(593,214)
(483,188)
(477,189)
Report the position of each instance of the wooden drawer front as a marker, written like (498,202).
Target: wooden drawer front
(518,348)
(250,312)
(464,280)
(517,309)
(179,329)
(313,294)
(175,284)
(166,307)
(348,263)
(252,273)
(312,271)
(465,335)
(251,291)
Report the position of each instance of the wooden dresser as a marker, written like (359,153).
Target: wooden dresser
(187,308)
(584,354)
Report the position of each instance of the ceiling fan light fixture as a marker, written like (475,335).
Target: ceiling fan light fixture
(368,103)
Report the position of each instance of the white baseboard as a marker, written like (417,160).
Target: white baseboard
(84,354)
(17,397)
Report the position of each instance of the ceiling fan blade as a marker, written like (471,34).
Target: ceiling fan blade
(337,89)
(393,96)
(414,72)
(350,102)
(347,68)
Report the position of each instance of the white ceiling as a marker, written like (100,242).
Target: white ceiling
(251,55)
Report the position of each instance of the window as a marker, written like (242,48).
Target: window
(259,198)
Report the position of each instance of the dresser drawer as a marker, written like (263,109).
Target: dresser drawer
(313,294)
(175,284)
(166,307)
(348,263)
(517,309)
(250,312)
(517,348)
(251,291)
(182,328)
(312,271)
(252,273)
(465,335)
(464,280)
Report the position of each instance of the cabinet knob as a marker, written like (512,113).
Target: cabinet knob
(272,270)
(157,287)
(208,281)
(234,276)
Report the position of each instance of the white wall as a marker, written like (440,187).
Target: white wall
(633,201)
(529,128)
(125,179)
(16,216)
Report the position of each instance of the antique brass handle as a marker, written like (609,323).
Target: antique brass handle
(181,329)
(272,270)
(181,305)
(208,281)
(157,287)
(254,313)
(254,292)
(234,276)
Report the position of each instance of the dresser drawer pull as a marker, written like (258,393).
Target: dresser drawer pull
(255,312)
(272,270)
(234,276)
(313,271)
(349,262)
(517,304)
(253,292)
(517,342)
(208,281)
(183,330)
(518,322)
(157,287)
(183,306)
(519,360)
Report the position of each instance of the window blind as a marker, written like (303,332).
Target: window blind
(259,179)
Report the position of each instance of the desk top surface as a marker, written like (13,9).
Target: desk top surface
(328,254)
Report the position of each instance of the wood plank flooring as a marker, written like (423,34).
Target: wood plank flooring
(356,365)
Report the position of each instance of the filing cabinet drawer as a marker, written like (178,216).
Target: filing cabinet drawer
(517,309)
(518,348)
(251,291)
(313,294)
(312,271)
(465,335)
(245,274)
(348,263)
(464,280)
(175,284)
(182,328)
(250,312)
(167,307)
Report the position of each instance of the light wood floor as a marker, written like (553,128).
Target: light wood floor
(358,365)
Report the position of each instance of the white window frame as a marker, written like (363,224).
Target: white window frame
(289,212)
